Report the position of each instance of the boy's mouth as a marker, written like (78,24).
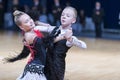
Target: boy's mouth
(63,21)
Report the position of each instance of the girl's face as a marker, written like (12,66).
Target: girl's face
(67,17)
(27,22)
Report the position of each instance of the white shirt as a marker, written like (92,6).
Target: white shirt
(75,41)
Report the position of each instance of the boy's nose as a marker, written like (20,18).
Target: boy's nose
(64,17)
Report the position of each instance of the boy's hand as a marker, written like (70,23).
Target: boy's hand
(68,34)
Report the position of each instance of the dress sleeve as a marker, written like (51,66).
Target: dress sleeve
(44,28)
(23,54)
(76,42)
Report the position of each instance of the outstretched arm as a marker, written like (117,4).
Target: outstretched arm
(43,27)
(25,52)
(38,23)
(72,40)
(76,42)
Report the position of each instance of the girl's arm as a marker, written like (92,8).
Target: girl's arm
(25,52)
(43,27)
(38,23)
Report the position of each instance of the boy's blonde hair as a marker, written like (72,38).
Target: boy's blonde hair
(73,9)
(17,15)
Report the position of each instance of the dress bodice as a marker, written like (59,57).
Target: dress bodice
(39,50)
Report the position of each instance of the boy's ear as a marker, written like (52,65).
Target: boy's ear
(74,20)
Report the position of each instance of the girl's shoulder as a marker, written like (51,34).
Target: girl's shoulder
(29,37)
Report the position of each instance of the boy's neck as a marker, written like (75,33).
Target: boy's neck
(65,27)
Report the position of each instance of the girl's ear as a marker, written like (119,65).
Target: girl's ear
(21,28)
(74,20)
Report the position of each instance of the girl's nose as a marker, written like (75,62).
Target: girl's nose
(31,21)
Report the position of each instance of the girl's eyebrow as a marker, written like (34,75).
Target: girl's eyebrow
(26,20)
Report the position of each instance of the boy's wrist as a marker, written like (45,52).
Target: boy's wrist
(70,39)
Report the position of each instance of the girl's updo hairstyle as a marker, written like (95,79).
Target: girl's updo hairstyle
(17,15)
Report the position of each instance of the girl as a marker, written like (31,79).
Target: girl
(33,40)
(34,43)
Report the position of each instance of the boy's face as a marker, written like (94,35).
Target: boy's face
(97,5)
(26,22)
(67,17)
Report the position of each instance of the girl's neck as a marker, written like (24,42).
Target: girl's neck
(31,30)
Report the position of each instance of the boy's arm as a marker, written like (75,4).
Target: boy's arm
(73,41)
(65,35)
(58,38)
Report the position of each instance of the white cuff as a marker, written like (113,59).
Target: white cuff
(76,42)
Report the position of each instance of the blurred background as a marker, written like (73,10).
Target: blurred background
(98,24)
(100,21)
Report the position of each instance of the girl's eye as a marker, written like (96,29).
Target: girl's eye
(28,20)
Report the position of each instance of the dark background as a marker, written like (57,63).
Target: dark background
(111,8)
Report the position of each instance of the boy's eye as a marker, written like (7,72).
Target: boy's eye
(68,16)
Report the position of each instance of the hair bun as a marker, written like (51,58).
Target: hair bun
(17,12)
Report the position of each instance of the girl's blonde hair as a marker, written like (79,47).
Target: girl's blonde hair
(17,15)
(73,9)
